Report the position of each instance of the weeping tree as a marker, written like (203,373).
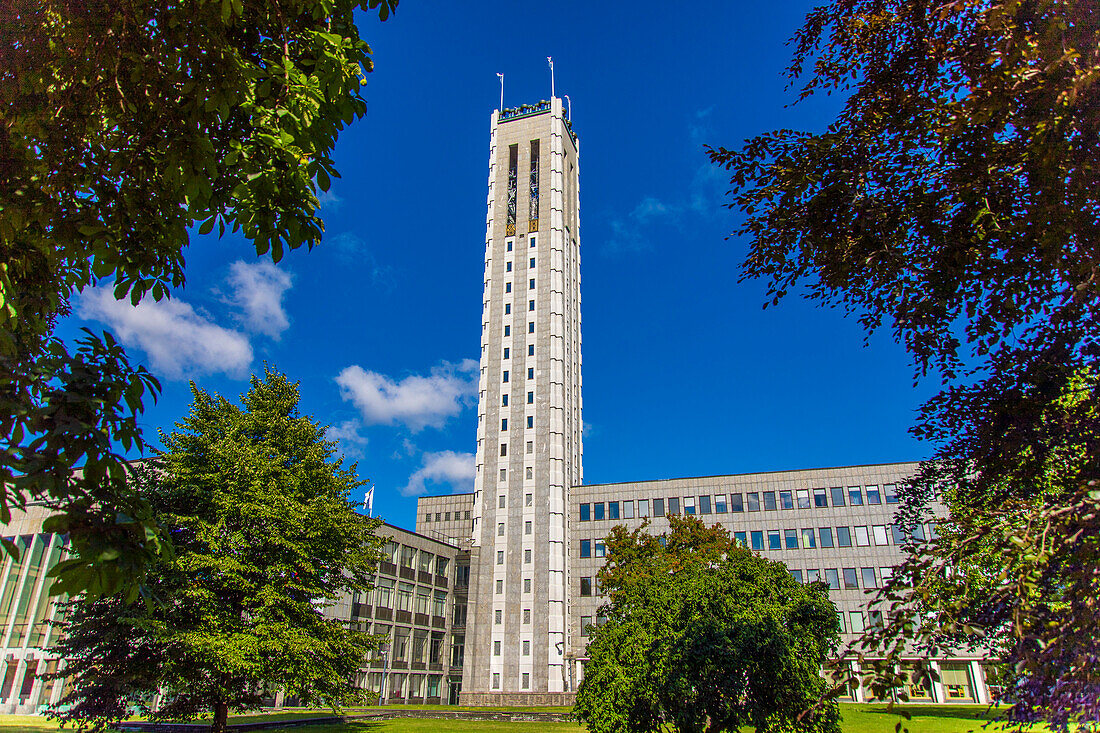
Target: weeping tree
(955,200)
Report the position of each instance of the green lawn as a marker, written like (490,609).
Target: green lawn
(857,719)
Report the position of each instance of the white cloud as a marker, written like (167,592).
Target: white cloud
(349,437)
(415,401)
(258,291)
(351,248)
(629,233)
(181,343)
(445,467)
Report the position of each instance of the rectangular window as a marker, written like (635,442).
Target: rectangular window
(530,327)
(586,621)
(509,245)
(808,539)
(704,505)
(802,496)
(530,473)
(628,509)
(821,499)
(586,548)
(869,580)
(843,537)
(658,507)
(504,423)
(496,648)
(527,527)
(530,349)
(720,506)
(825,534)
(531,286)
(769,501)
(502,501)
(850,580)
(855,622)
(500,587)
(600,550)
(586,586)
(775,540)
(612,510)
(855,496)
(496,680)
(757,540)
(832,577)
(503,449)
(530,372)
(742,538)
(526,585)
(507,309)
(500,529)
(507,289)
(689,505)
(500,557)
(507,353)
(753,500)
(797,575)
(527,615)
(891,492)
(532,262)
(530,421)
(879,532)
(530,305)
(886,574)
(530,398)
(873,497)
(597,510)
(525,678)
(790,539)
(862,539)
(673,505)
(526,648)
(530,447)
(586,512)
(498,616)
(507,332)
(505,376)
(508,267)
(786,500)
(837,493)
(504,400)
(737,504)
(527,556)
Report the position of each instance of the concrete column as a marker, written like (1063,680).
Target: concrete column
(858,694)
(938,693)
(977,676)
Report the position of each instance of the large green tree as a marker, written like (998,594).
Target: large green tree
(703,635)
(956,200)
(124,124)
(266,537)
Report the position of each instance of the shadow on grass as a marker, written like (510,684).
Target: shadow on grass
(965,712)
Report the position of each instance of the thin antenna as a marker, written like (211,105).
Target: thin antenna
(501,77)
(550,61)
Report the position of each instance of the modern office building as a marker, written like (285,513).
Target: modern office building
(537,531)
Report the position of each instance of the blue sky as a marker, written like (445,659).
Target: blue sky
(684,372)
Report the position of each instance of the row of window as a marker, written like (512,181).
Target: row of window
(504,397)
(410,557)
(524,681)
(388,593)
(508,332)
(508,351)
(852,621)
(753,501)
(509,242)
(504,424)
(446,516)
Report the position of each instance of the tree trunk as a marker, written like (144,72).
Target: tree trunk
(221,717)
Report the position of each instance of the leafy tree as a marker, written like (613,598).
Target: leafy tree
(957,199)
(703,635)
(266,537)
(126,122)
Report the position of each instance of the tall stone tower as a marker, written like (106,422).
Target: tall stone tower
(529,413)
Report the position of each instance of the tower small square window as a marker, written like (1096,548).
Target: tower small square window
(496,680)
(526,585)
(505,378)
(527,615)
(509,245)
(507,330)
(507,309)
(496,648)
(525,679)
(530,305)
(504,449)
(527,499)
(507,287)
(527,556)
(527,527)
(530,349)
(586,548)
(502,501)
(498,616)
(504,474)
(504,400)
(526,650)
(508,267)
(504,423)
(500,529)
(500,587)
(530,421)
(500,557)
(531,327)
(530,474)
(530,372)
(532,262)
(507,352)
(530,398)
(586,586)
(530,447)
(531,285)
(532,241)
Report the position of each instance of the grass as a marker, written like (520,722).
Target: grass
(857,719)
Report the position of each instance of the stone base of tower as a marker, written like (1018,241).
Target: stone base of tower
(517,699)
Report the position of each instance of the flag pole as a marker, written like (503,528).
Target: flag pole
(550,61)
(501,77)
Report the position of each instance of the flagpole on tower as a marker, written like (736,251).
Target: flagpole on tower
(550,61)
(501,77)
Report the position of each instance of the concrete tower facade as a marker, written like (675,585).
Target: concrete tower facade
(529,413)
